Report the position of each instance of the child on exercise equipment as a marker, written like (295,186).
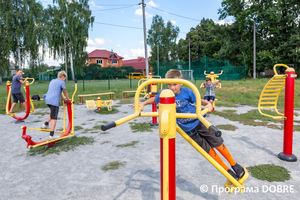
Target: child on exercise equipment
(56,87)
(210,90)
(184,98)
(16,90)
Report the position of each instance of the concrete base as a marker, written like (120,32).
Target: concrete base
(291,158)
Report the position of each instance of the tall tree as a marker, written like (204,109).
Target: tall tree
(69,23)
(165,36)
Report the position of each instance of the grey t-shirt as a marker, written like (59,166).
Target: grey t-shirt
(16,85)
(210,89)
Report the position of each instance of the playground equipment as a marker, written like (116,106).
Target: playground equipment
(91,104)
(66,131)
(268,100)
(146,91)
(111,94)
(28,101)
(213,78)
(136,75)
(167,133)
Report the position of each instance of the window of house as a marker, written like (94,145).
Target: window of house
(99,62)
(108,62)
(115,61)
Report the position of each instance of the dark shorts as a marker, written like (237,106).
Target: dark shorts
(18,97)
(202,136)
(209,98)
(53,111)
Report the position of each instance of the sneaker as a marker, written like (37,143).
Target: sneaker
(44,126)
(232,174)
(238,169)
(51,138)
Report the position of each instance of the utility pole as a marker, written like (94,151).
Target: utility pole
(190,57)
(145,38)
(157,59)
(254,51)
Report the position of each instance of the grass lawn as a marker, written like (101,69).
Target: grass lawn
(232,93)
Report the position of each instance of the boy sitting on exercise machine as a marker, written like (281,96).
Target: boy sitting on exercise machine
(184,98)
(210,90)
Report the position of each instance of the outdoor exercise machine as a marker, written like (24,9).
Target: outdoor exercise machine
(213,78)
(28,101)
(167,133)
(91,104)
(64,134)
(268,100)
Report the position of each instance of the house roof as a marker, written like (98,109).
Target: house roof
(101,53)
(138,63)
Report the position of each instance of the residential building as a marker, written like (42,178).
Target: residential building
(138,64)
(103,58)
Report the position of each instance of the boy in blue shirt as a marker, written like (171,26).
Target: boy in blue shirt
(56,87)
(16,89)
(184,98)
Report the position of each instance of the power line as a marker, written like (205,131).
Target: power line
(176,14)
(114,8)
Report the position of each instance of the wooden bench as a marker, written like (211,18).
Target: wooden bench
(99,94)
(126,92)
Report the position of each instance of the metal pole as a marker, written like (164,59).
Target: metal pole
(19,56)
(287,154)
(189,56)
(157,59)
(83,78)
(254,51)
(145,38)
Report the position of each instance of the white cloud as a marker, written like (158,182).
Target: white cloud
(151,4)
(142,42)
(93,4)
(118,45)
(137,20)
(173,22)
(99,41)
(140,12)
(135,53)
(222,22)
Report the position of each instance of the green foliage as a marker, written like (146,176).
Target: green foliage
(113,165)
(141,127)
(270,172)
(64,145)
(228,127)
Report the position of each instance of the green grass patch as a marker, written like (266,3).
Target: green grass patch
(104,111)
(91,119)
(104,142)
(130,144)
(141,127)
(39,113)
(36,121)
(228,127)
(93,130)
(77,128)
(83,124)
(113,165)
(249,118)
(64,145)
(270,172)
(229,111)
(104,133)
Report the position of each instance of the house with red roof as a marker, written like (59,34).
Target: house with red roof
(105,58)
(138,64)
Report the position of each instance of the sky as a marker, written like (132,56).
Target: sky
(118,24)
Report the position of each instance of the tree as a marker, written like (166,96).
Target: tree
(68,24)
(165,36)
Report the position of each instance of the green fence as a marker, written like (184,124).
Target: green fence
(198,67)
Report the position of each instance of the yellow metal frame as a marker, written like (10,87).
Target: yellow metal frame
(64,125)
(212,77)
(270,94)
(91,104)
(144,91)
(166,123)
(9,96)
(32,80)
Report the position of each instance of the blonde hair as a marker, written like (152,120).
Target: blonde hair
(61,74)
(173,73)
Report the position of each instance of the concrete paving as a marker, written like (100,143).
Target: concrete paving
(78,175)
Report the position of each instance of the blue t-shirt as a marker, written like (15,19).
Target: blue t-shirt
(54,92)
(16,85)
(184,101)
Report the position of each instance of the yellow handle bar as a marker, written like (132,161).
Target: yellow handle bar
(279,65)
(30,79)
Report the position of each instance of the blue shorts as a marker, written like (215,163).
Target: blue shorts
(209,98)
